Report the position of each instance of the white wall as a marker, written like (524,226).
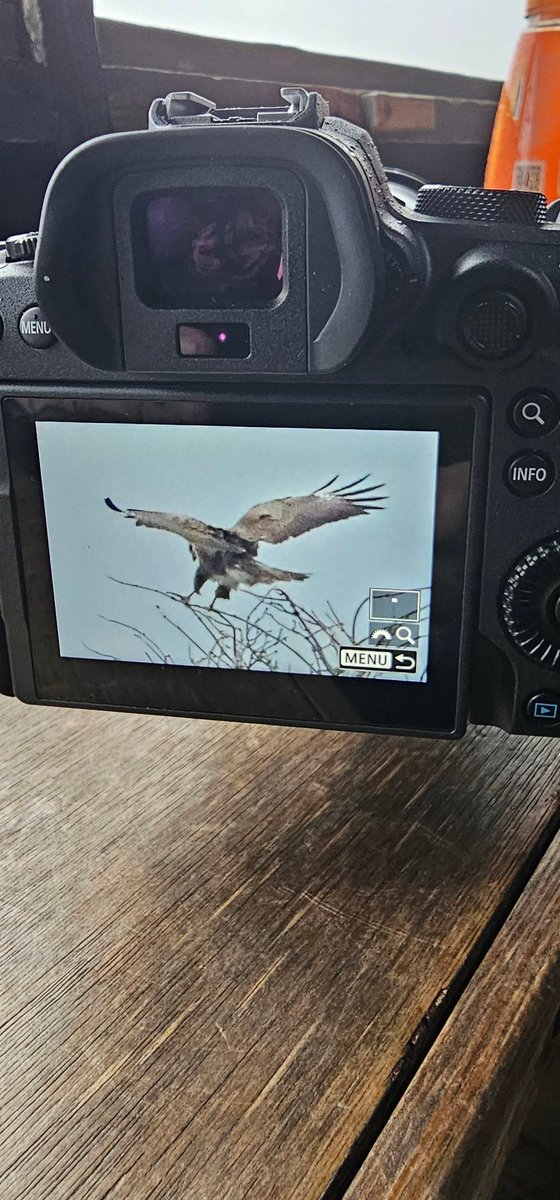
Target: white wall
(475,37)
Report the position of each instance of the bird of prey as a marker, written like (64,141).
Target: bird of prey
(228,557)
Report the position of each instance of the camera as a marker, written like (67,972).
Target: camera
(275,446)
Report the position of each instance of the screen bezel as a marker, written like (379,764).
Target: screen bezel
(436,706)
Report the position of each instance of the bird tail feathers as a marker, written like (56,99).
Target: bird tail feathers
(276,575)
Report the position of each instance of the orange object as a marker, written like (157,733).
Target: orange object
(525,146)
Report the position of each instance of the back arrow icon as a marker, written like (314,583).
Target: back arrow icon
(406,661)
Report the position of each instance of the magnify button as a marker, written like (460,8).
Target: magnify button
(535,414)
(532,411)
(404,634)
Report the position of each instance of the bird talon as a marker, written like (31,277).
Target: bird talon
(179,597)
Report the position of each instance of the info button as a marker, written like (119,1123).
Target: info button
(35,329)
(530,474)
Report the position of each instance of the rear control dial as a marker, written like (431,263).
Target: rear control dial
(531,604)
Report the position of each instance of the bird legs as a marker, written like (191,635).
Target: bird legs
(222,593)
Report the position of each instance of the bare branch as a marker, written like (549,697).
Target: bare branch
(270,637)
(138,633)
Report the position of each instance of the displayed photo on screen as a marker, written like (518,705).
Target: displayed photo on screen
(302,551)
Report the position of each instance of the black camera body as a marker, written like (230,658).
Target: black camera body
(230,338)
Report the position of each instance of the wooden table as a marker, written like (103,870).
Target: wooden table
(278,964)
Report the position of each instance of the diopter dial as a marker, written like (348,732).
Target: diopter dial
(531,603)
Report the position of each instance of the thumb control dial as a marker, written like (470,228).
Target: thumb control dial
(531,603)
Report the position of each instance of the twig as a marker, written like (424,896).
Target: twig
(139,633)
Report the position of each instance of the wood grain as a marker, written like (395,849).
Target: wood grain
(451,1132)
(217,942)
(533,1166)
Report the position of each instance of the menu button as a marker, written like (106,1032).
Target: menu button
(35,329)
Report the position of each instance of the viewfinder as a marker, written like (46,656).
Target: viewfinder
(209,247)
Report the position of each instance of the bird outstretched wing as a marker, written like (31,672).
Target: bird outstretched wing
(277,520)
(198,534)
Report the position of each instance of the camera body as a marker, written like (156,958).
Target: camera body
(229,336)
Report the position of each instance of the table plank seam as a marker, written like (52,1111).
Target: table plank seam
(435,1018)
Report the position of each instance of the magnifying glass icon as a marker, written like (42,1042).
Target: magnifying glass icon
(404,634)
(532,411)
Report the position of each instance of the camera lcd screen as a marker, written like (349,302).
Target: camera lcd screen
(302,551)
(208,247)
